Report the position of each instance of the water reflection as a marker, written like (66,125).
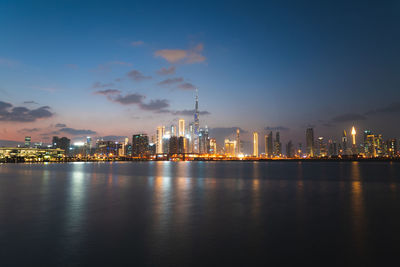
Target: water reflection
(357,201)
(75,207)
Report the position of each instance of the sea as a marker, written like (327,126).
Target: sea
(223,213)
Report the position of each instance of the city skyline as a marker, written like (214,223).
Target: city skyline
(273,71)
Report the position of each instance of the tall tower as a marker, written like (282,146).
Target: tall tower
(344,143)
(237,142)
(181,127)
(159,143)
(310,142)
(196,124)
(255,144)
(353,134)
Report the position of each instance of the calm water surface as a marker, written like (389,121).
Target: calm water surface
(198,213)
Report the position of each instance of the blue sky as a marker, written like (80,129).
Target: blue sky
(257,64)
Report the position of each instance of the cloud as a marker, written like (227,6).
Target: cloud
(277,128)
(28,130)
(170,81)
(31,102)
(137,76)
(348,117)
(186,86)
(392,108)
(129,99)
(137,43)
(189,56)
(97,85)
(108,92)
(114,138)
(23,114)
(189,112)
(166,71)
(60,125)
(158,104)
(73,131)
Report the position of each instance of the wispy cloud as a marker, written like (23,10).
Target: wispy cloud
(166,71)
(73,131)
(391,108)
(189,56)
(276,128)
(108,92)
(137,43)
(137,76)
(22,114)
(31,102)
(170,81)
(97,85)
(60,125)
(129,99)
(29,130)
(158,104)
(348,117)
(186,86)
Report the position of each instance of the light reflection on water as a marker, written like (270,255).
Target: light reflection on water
(175,212)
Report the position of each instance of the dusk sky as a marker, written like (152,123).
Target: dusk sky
(117,68)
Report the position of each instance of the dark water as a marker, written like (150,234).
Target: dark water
(188,213)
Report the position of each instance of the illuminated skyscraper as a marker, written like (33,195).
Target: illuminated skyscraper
(255,144)
(173,130)
(289,150)
(204,141)
(230,148)
(268,145)
(160,135)
(213,146)
(237,141)
(27,141)
(310,142)
(354,146)
(196,125)
(181,126)
(344,143)
(277,145)
(140,145)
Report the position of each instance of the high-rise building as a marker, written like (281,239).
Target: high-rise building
(140,145)
(392,147)
(238,142)
(160,135)
(173,130)
(173,145)
(230,148)
(310,142)
(213,146)
(353,144)
(255,144)
(63,143)
(344,143)
(204,141)
(321,147)
(268,145)
(196,125)
(182,145)
(277,145)
(27,141)
(289,150)
(181,126)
